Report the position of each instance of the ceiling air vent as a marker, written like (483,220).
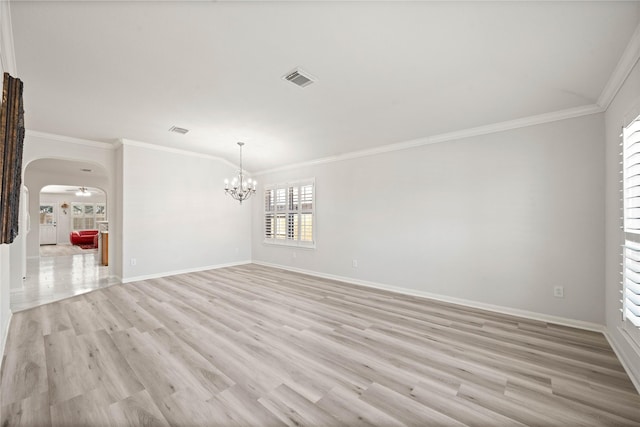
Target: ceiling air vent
(176,129)
(299,78)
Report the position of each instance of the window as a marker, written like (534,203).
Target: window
(85,215)
(631,226)
(289,211)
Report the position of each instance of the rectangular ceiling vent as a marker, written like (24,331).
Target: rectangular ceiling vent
(176,129)
(299,78)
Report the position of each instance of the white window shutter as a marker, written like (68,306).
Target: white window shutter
(289,212)
(631,223)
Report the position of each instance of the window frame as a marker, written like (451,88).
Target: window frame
(287,215)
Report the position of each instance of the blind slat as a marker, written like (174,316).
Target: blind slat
(631,286)
(631,221)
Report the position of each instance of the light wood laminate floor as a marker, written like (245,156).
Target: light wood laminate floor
(252,345)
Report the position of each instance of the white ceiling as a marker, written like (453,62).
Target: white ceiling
(388,72)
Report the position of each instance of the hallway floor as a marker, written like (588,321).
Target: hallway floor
(53,277)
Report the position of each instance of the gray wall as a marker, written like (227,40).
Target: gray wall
(498,219)
(175,214)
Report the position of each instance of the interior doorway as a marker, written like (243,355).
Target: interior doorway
(67,211)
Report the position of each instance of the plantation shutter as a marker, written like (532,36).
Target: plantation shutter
(631,222)
(631,292)
(269,218)
(289,213)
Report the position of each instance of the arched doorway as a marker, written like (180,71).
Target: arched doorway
(56,268)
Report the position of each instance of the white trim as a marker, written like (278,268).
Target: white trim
(149,146)
(69,139)
(621,355)
(579,324)
(186,270)
(628,60)
(7,51)
(289,243)
(569,113)
(5,333)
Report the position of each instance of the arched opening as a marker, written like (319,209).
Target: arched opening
(67,231)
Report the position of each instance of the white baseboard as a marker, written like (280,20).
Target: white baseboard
(176,272)
(589,326)
(623,357)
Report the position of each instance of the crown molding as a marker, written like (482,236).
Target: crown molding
(629,58)
(450,136)
(148,146)
(7,52)
(69,139)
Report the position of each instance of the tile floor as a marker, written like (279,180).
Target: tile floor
(53,277)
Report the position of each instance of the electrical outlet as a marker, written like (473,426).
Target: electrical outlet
(134,261)
(558,291)
(354,263)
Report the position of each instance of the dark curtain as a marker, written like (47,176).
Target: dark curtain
(11,142)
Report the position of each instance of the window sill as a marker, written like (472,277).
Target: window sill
(289,244)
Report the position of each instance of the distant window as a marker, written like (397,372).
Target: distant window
(289,212)
(85,215)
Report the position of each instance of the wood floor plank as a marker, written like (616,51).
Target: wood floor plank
(86,409)
(83,318)
(408,411)
(155,367)
(24,368)
(67,375)
(29,412)
(109,316)
(293,409)
(129,308)
(209,376)
(253,345)
(237,400)
(137,410)
(54,318)
(107,365)
(350,410)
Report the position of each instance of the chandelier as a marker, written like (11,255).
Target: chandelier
(83,192)
(241,187)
